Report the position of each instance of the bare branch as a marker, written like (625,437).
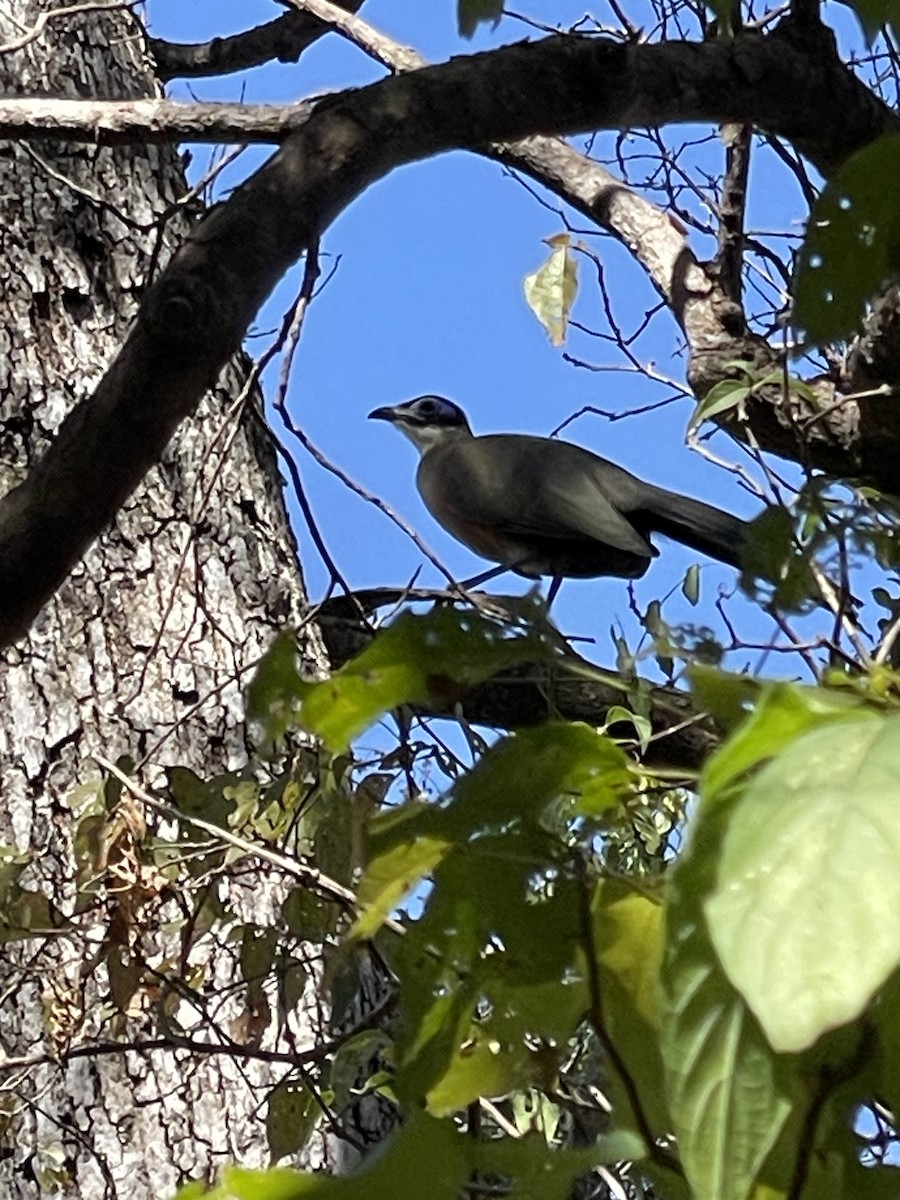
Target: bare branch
(283,39)
(124,122)
(383,49)
(730,254)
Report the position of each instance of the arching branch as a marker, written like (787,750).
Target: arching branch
(283,39)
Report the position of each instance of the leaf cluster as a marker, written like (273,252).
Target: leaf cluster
(736,1021)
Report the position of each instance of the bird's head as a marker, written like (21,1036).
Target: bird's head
(427,421)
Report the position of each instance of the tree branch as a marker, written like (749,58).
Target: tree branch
(126,122)
(682,737)
(195,315)
(283,39)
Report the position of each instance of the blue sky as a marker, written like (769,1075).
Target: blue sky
(427,297)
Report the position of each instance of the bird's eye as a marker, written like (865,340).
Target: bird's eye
(428,408)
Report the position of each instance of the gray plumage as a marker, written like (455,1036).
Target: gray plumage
(540,506)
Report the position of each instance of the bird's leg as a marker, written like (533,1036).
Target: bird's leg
(554,588)
(483,577)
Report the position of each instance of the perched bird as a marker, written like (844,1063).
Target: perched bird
(540,506)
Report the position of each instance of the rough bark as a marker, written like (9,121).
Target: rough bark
(143,651)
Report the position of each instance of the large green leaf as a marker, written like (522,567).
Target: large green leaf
(852,244)
(627,933)
(495,937)
(726,1089)
(782,714)
(804,911)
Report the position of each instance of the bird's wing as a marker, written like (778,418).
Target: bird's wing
(577,506)
(524,487)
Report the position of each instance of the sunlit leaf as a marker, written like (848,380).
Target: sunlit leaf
(617,714)
(431,659)
(391,875)
(782,714)
(586,770)
(496,924)
(725,695)
(724,396)
(627,931)
(726,1093)
(482,1066)
(690,588)
(551,289)
(804,911)
(852,245)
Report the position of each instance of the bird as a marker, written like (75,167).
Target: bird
(540,506)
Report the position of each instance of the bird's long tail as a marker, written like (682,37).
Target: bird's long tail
(698,525)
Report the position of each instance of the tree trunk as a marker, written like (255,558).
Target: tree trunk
(143,652)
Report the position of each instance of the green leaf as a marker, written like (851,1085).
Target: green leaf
(391,875)
(544,1174)
(198,797)
(724,695)
(627,932)
(617,714)
(501,920)
(875,15)
(580,771)
(500,924)
(727,394)
(309,916)
(432,659)
(783,713)
(772,554)
(728,1098)
(395,1173)
(564,761)
(481,1067)
(551,289)
(804,912)
(273,695)
(472,13)
(258,948)
(724,11)
(852,245)
(690,588)
(354,1060)
(290,1116)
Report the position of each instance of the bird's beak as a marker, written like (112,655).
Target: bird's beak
(388,413)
